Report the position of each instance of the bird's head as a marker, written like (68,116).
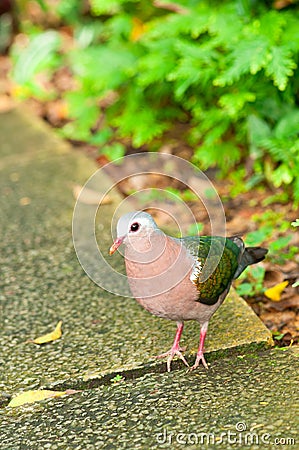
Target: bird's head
(133,226)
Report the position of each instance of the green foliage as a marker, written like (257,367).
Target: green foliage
(254,276)
(41,55)
(275,233)
(296,224)
(228,68)
(117,379)
(195,229)
(277,335)
(114,151)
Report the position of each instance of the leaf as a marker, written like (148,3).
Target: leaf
(249,56)
(288,125)
(49,337)
(272,24)
(170,7)
(280,67)
(282,175)
(142,124)
(111,73)
(277,335)
(234,103)
(274,293)
(150,69)
(245,289)
(37,396)
(257,237)
(273,277)
(43,5)
(279,243)
(39,54)
(195,229)
(258,129)
(99,7)
(117,378)
(113,151)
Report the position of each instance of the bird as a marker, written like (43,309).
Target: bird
(180,279)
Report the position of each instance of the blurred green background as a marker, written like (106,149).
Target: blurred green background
(221,77)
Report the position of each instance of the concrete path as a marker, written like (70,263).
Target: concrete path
(103,335)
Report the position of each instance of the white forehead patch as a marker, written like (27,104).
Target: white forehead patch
(143,218)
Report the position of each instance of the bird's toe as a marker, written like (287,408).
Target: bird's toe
(171,352)
(170,355)
(199,358)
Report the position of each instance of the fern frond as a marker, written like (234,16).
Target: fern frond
(249,56)
(234,102)
(280,66)
(288,125)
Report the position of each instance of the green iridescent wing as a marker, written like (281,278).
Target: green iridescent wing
(207,250)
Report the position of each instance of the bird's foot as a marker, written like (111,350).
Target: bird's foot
(199,358)
(174,351)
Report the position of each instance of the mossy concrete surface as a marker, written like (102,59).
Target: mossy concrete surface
(42,282)
(249,402)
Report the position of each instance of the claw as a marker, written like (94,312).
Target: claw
(172,350)
(200,358)
(171,354)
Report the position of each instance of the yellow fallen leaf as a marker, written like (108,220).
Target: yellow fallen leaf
(24,201)
(37,396)
(274,293)
(49,337)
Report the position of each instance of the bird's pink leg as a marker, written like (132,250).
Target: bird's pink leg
(200,355)
(175,349)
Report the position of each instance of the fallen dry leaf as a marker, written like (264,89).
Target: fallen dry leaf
(49,337)
(56,111)
(171,7)
(280,4)
(24,201)
(89,196)
(276,320)
(37,396)
(289,266)
(273,277)
(6,103)
(285,303)
(274,293)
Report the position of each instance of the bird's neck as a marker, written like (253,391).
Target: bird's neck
(146,249)
(157,254)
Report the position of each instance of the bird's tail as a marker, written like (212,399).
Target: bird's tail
(251,255)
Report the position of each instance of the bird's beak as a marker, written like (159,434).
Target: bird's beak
(116,244)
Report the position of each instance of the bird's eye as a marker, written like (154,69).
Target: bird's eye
(134,226)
